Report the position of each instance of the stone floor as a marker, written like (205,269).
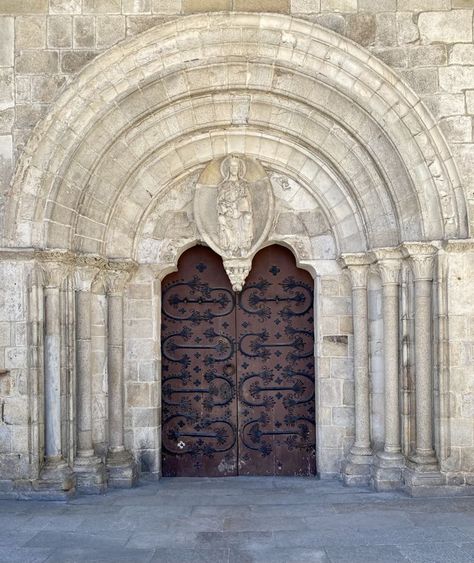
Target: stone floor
(238,520)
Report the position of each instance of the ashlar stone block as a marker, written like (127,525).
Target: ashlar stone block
(338,5)
(101,6)
(305,6)
(65,6)
(422,5)
(6,88)
(166,6)
(457,129)
(470,101)
(37,62)
(30,32)
(280,6)
(84,31)
(447,27)
(15,7)
(109,30)
(60,31)
(7,34)
(462,54)
(136,6)
(456,78)
(193,6)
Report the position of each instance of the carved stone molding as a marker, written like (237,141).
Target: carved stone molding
(233,208)
(54,273)
(358,266)
(389,264)
(421,257)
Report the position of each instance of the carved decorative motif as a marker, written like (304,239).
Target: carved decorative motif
(233,207)
(389,271)
(421,257)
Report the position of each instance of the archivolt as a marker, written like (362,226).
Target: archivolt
(289,92)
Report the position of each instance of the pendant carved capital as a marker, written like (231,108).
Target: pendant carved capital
(358,266)
(237,270)
(116,280)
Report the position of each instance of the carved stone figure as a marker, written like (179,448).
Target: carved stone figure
(234,208)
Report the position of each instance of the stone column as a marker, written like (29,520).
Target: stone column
(90,471)
(389,463)
(56,474)
(121,466)
(358,466)
(423,469)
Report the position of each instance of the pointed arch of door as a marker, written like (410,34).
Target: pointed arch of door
(221,465)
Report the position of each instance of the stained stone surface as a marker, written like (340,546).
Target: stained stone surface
(242,519)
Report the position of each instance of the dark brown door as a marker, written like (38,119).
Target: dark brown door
(238,371)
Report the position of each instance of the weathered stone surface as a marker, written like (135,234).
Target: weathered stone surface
(423,5)
(195,6)
(457,129)
(101,6)
(138,24)
(407,29)
(60,32)
(470,101)
(450,26)
(305,6)
(109,30)
(65,6)
(37,62)
(30,32)
(456,78)
(166,6)
(385,30)
(72,61)
(44,88)
(336,22)
(136,6)
(6,89)
(339,5)
(430,55)
(7,33)
(15,7)
(281,6)
(84,31)
(423,80)
(361,28)
(462,54)
(443,105)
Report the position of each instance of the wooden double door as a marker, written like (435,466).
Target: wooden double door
(238,369)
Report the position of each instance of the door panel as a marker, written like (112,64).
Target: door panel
(198,364)
(238,379)
(275,364)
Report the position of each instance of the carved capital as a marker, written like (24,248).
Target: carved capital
(421,257)
(54,273)
(116,280)
(389,271)
(359,276)
(84,277)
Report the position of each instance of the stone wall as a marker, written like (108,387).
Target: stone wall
(44,43)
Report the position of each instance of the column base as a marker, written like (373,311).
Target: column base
(357,469)
(122,470)
(91,475)
(423,479)
(57,481)
(387,472)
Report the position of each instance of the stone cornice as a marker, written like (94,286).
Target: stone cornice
(456,246)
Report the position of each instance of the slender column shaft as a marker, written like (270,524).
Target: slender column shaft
(115,369)
(390,273)
(423,367)
(83,374)
(52,374)
(361,370)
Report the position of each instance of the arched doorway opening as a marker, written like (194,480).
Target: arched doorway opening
(238,369)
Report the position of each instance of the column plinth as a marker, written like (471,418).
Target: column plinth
(389,463)
(89,469)
(121,466)
(357,469)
